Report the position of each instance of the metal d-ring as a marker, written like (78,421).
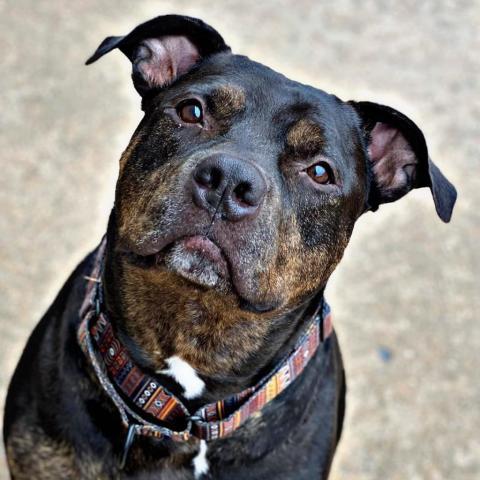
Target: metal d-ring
(132,431)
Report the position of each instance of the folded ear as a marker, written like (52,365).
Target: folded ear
(399,160)
(163,49)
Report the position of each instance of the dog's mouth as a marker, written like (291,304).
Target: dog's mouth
(198,259)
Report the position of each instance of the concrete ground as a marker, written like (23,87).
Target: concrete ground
(406,296)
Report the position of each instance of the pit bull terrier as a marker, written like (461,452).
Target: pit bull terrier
(195,341)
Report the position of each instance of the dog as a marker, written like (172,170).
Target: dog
(195,341)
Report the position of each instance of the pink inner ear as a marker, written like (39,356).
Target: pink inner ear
(162,60)
(393,159)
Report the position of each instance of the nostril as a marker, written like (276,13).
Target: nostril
(216,177)
(243,193)
(209,177)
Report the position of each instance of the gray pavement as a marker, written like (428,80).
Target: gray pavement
(405,297)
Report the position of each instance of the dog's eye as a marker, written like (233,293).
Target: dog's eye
(190,111)
(321,173)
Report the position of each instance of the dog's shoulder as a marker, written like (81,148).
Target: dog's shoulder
(46,386)
(36,377)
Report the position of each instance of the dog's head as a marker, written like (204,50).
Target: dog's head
(245,183)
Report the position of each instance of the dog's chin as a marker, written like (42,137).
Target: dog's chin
(201,262)
(198,260)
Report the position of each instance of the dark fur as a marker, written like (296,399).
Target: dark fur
(58,422)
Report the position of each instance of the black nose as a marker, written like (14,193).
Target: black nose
(235,188)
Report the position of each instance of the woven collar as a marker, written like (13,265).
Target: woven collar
(146,408)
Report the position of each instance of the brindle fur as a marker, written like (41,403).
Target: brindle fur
(58,421)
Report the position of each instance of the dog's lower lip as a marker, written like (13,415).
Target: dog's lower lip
(198,244)
(204,246)
(196,258)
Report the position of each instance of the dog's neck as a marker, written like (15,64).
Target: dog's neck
(177,330)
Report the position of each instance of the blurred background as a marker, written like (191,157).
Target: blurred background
(406,296)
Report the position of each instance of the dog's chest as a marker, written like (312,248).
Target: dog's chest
(293,437)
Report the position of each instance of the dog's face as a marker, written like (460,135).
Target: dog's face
(245,183)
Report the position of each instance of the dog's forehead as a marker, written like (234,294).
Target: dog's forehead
(263,88)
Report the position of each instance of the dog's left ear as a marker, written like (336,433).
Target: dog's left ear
(163,49)
(399,159)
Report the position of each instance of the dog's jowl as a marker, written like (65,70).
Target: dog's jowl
(195,341)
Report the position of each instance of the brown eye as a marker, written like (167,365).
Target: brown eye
(190,111)
(320,173)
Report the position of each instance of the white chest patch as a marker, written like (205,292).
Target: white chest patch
(200,462)
(185,375)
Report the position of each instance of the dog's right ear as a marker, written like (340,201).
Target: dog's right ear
(163,49)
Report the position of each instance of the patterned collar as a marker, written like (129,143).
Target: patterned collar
(146,408)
